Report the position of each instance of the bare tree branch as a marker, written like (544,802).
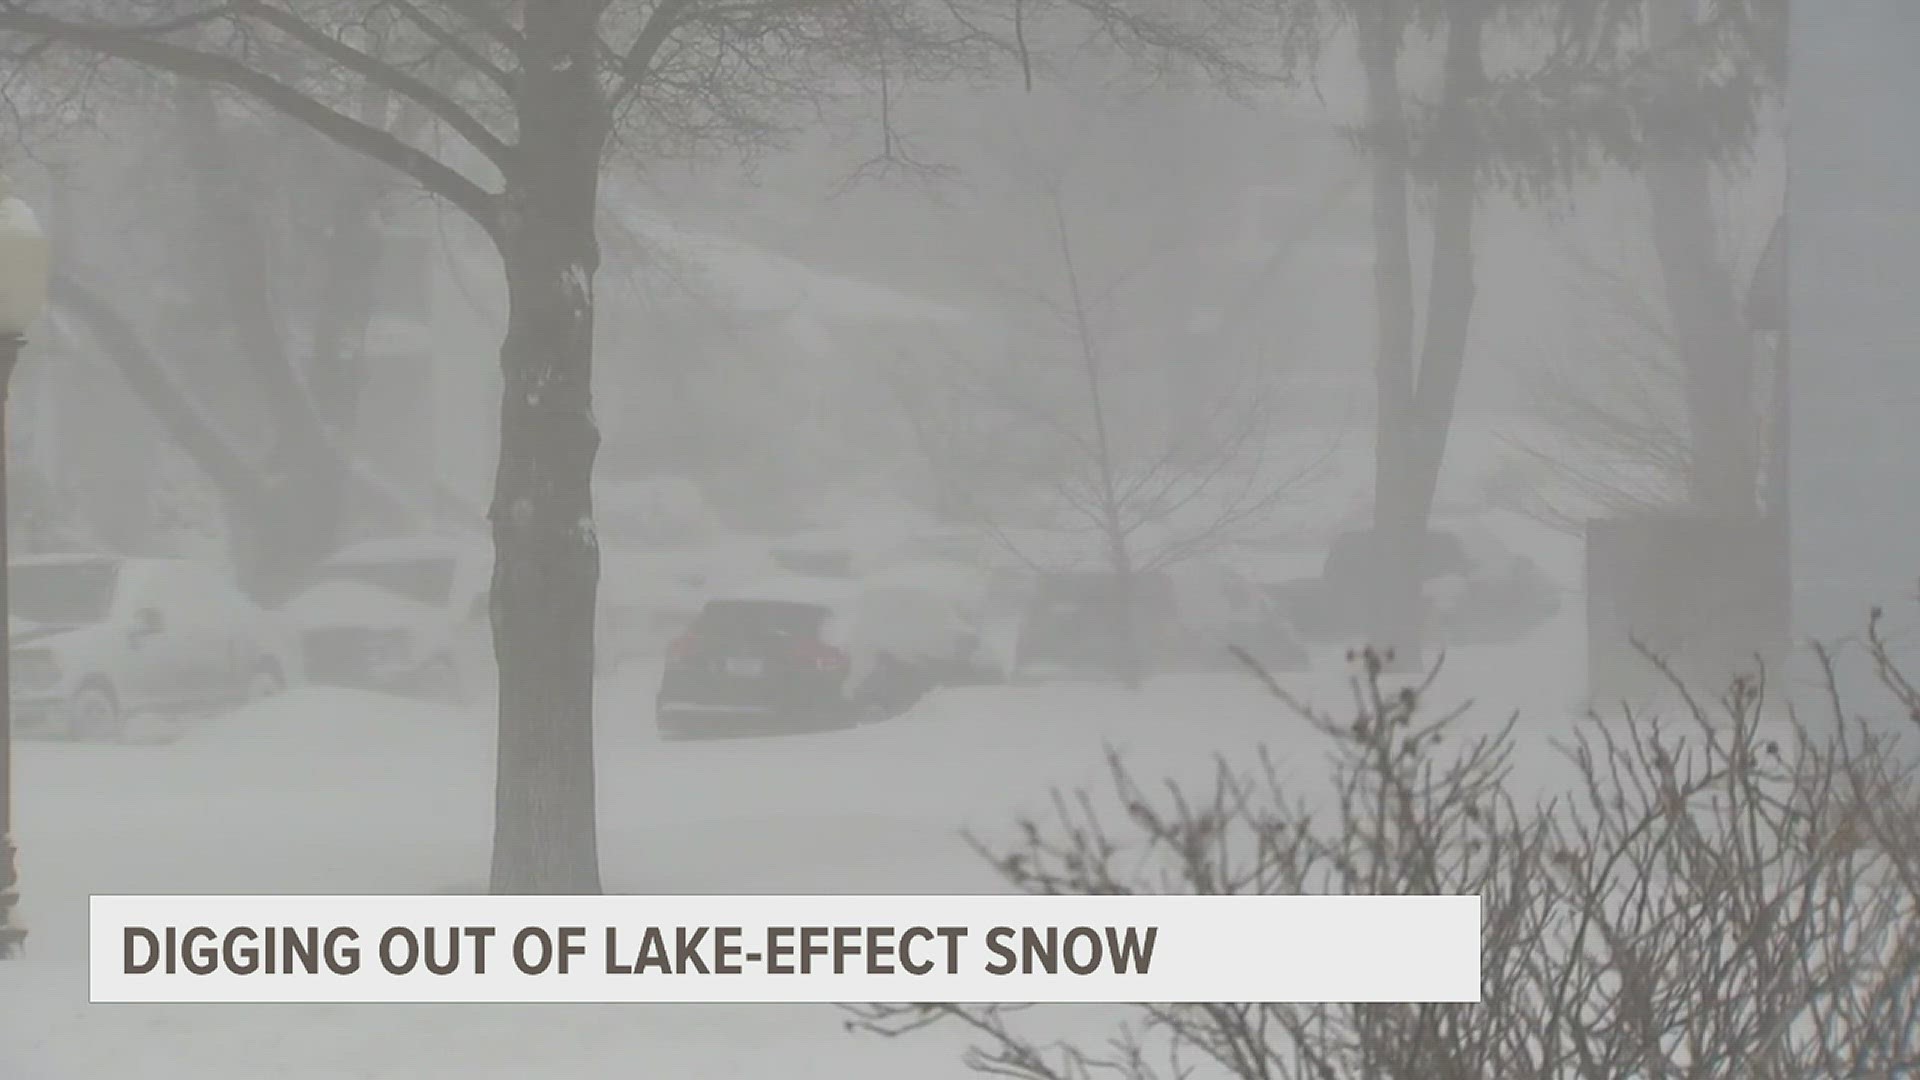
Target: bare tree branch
(452,42)
(131,45)
(230,468)
(383,74)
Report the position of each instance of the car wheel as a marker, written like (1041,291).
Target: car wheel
(94,714)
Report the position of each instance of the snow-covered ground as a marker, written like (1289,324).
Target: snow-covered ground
(339,791)
(335,791)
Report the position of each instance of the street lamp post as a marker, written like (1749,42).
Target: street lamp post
(23,293)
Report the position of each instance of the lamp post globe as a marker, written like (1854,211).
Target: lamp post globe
(23,295)
(23,263)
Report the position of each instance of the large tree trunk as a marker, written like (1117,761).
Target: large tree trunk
(546,558)
(289,525)
(348,296)
(1416,407)
(1716,352)
(1450,283)
(1392,612)
(1131,663)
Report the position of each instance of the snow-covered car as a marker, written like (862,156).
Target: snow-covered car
(405,614)
(1472,587)
(1191,615)
(1194,616)
(100,638)
(648,595)
(645,599)
(654,512)
(413,614)
(664,552)
(761,656)
(907,636)
(1489,593)
(801,649)
(944,605)
(860,542)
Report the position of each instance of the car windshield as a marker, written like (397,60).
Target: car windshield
(425,580)
(62,594)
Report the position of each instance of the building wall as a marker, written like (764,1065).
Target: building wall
(1855,266)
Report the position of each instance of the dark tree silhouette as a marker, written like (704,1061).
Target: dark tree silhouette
(533,98)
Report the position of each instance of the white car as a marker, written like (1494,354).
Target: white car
(944,606)
(99,638)
(412,615)
(406,615)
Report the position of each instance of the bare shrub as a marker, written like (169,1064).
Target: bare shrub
(1726,893)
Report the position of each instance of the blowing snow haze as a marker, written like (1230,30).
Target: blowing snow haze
(734,446)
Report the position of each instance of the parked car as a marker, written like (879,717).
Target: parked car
(763,655)
(1490,594)
(1336,602)
(406,615)
(99,638)
(1191,616)
(908,634)
(1471,587)
(944,608)
(806,650)
(654,512)
(648,595)
(643,603)
(856,544)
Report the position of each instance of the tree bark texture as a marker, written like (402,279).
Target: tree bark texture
(1415,403)
(1716,351)
(546,556)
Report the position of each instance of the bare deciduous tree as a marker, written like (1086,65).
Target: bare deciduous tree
(1621,437)
(1726,894)
(532,99)
(1050,452)
(1531,123)
(1716,351)
(253,379)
